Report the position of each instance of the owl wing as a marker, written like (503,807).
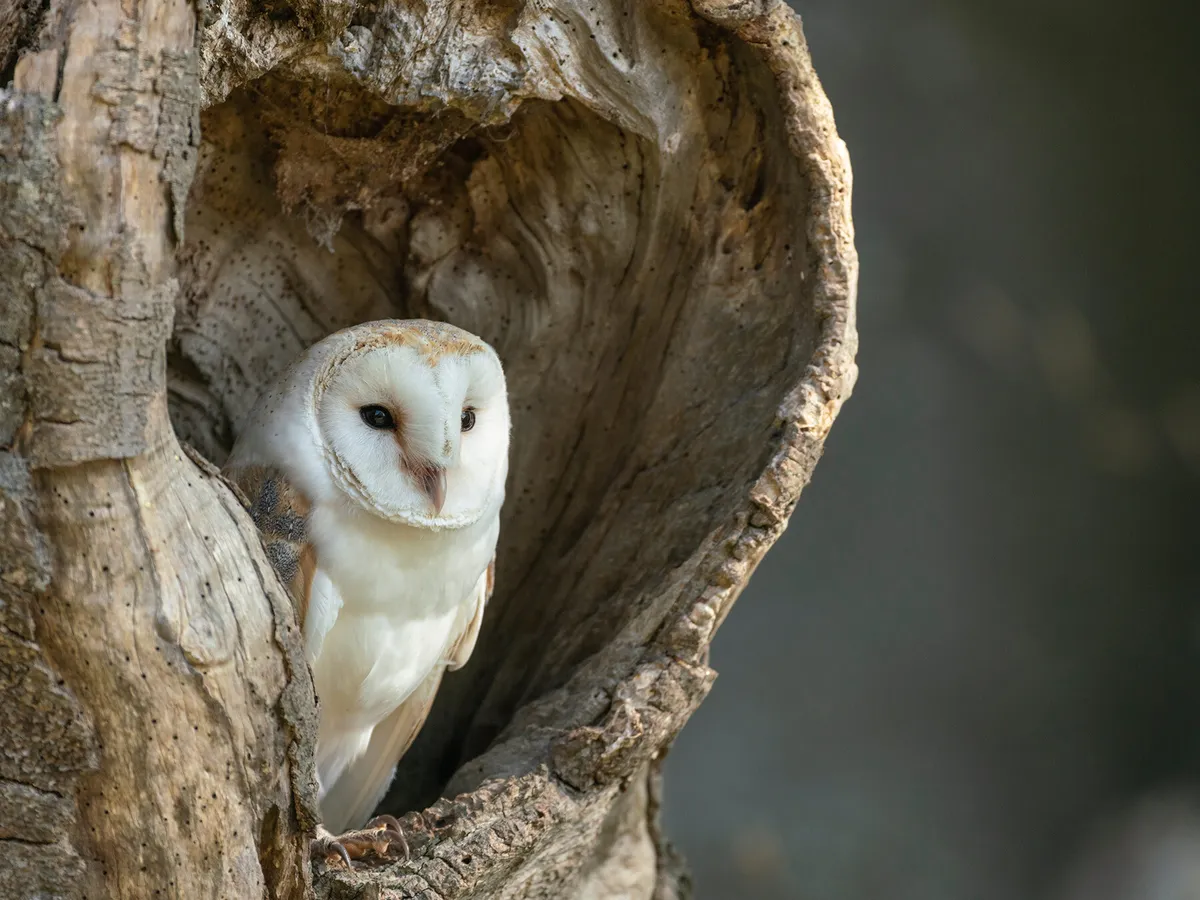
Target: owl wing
(280,512)
(356,793)
(460,651)
(358,790)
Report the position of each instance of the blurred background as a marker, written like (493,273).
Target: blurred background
(971,667)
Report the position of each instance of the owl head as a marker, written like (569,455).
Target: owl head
(413,420)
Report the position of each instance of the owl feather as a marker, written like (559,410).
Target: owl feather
(374,470)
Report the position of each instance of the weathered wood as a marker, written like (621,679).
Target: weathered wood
(20,21)
(156,690)
(644,207)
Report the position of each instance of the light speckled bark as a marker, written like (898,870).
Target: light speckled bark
(154,683)
(643,206)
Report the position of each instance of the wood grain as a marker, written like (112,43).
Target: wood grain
(157,700)
(644,207)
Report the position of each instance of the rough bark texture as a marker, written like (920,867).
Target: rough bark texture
(644,207)
(154,683)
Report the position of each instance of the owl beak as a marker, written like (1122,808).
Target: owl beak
(433,483)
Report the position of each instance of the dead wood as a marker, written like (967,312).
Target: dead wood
(643,206)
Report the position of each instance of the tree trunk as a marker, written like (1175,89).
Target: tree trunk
(643,207)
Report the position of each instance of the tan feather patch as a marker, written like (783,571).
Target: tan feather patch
(280,512)
(433,340)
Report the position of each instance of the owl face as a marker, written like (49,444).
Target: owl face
(414,421)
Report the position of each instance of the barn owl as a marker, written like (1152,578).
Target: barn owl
(375,470)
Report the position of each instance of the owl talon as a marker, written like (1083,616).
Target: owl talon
(329,849)
(393,831)
(378,838)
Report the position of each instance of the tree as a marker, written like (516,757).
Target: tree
(644,207)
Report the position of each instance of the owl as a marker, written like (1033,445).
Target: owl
(375,469)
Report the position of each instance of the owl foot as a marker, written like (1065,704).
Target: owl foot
(381,835)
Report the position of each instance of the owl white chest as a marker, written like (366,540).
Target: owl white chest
(403,591)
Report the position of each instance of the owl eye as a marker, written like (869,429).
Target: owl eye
(377,417)
(468,419)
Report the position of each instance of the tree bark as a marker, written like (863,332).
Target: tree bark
(643,207)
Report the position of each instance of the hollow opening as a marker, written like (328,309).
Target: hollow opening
(646,289)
